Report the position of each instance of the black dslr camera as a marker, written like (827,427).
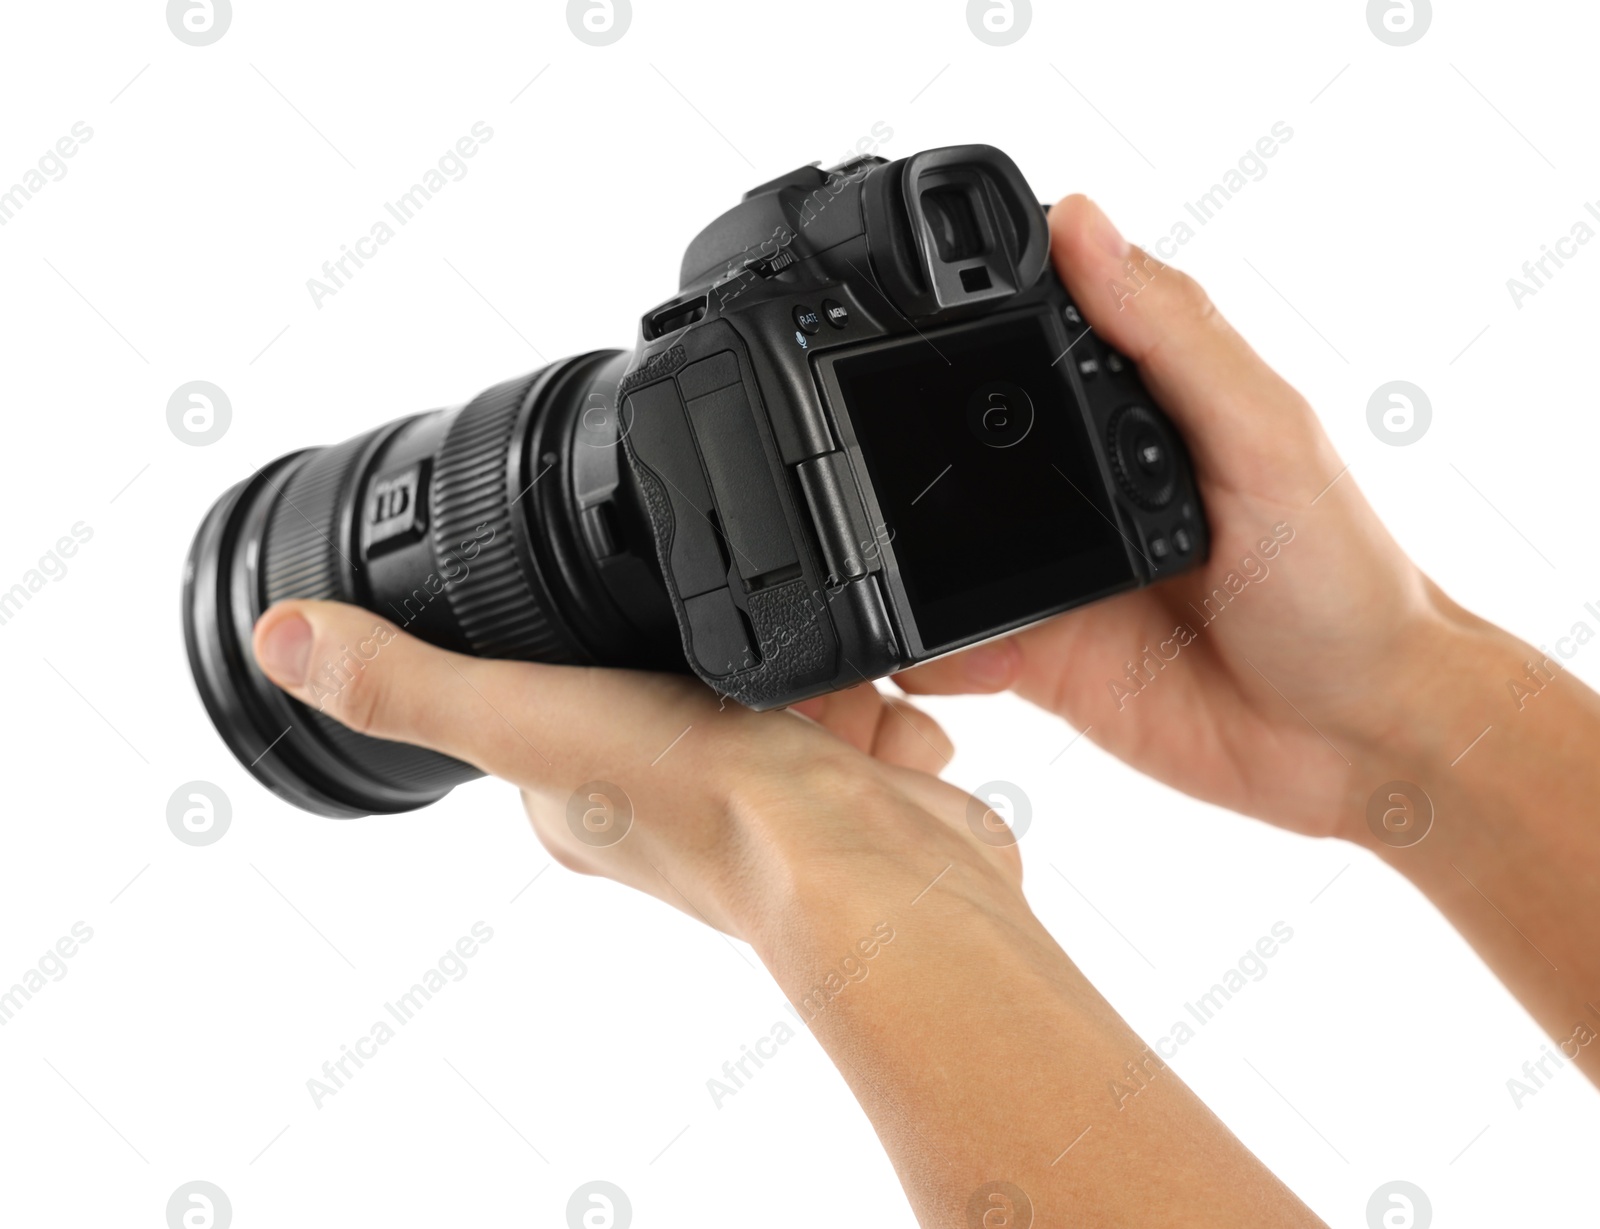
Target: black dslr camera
(870,428)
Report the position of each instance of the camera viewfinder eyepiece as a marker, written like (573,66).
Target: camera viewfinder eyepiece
(951,231)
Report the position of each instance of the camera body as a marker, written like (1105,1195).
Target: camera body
(872,428)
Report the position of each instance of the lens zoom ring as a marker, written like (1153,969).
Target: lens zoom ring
(301,552)
(495,601)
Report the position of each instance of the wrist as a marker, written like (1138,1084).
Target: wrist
(904,929)
(1449,685)
(854,855)
(1453,670)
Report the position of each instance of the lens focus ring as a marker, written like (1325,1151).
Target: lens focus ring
(300,556)
(496,597)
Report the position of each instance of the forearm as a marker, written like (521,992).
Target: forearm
(1507,756)
(983,1056)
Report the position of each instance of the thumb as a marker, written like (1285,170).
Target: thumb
(364,672)
(990,667)
(1245,425)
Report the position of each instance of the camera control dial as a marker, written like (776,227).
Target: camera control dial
(1143,456)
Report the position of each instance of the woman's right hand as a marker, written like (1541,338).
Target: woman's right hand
(1274,679)
(1313,676)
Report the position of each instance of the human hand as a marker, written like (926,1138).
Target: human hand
(1264,680)
(724,813)
(802,835)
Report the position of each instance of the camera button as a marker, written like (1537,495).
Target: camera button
(1182,540)
(807,320)
(1143,456)
(1072,316)
(1088,367)
(836,313)
(1160,549)
(1151,454)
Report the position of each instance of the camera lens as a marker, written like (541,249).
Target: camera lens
(509,527)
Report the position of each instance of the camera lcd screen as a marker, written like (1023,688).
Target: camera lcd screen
(991,493)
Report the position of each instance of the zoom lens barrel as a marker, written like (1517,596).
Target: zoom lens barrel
(508,527)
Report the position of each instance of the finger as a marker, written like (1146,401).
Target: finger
(528,723)
(988,668)
(851,714)
(1232,408)
(885,727)
(907,736)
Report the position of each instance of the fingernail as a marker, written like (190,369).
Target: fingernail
(1106,235)
(286,651)
(991,665)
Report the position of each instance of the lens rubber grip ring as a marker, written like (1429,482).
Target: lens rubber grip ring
(498,602)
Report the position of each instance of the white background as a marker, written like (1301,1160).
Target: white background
(178,247)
